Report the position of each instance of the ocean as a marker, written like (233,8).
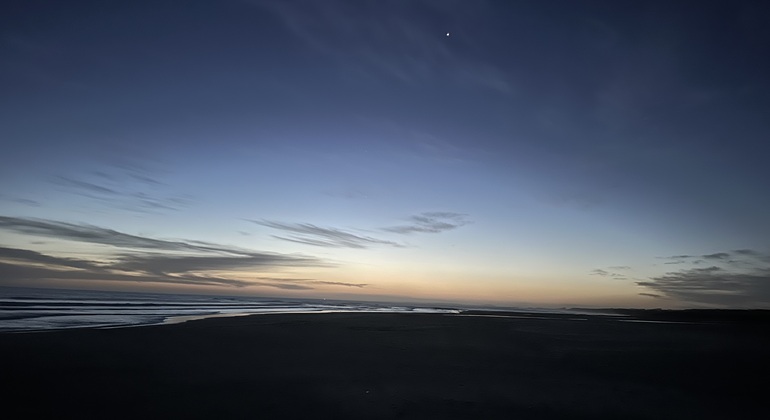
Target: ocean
(28,309)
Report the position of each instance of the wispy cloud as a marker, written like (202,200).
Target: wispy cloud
(20,264)
(10,272)
(97,235)
(742,279)
(27,256)
(716,256)
(164,264)
(309,234)
(28,202)
(401,41)
(123,184)
(431,222)
(734,257)
(20,200)
(340,283)
(747,252)
(612,274)
(143,259)
(85,188)
(312,281)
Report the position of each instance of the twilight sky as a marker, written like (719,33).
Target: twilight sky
(539,153)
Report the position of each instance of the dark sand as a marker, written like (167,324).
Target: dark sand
(413,366)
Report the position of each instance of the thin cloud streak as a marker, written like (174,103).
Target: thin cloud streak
(123,185)
(98,235)
(27,256)
(313,281)
(15,271)
(19,264)
(160,264)
(386,40)
(309,234)
(143,259)
(83,185)
(431,222)
(606,273)
(716,256)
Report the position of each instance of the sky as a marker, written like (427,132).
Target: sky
(530,153)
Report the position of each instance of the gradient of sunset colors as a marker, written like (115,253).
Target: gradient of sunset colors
(547,153)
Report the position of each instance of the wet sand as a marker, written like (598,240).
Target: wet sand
(382,366)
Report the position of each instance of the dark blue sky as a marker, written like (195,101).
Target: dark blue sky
(550,153)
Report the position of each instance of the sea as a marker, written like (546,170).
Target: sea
(32,309)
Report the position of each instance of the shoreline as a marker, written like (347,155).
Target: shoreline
(651,316)
(182,319)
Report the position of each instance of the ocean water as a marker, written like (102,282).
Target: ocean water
(27,309)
